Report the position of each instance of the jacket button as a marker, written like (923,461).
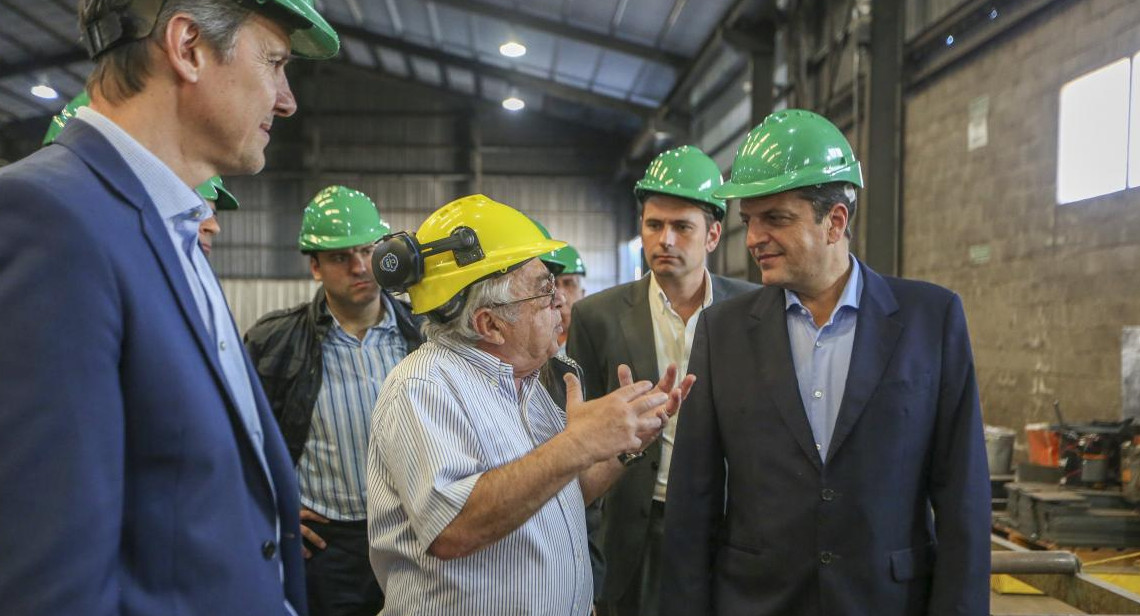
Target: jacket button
(827,494)
(269,550)
(826,557)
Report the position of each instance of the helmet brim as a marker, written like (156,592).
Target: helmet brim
(426,298)
(226,201)
(763,188)
(643,192)
(320,243)
(318,41)
(793,179)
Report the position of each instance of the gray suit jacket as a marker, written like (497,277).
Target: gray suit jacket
(608,329)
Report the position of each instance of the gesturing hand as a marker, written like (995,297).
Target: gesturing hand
(607,426)
(676,395)
(627,419)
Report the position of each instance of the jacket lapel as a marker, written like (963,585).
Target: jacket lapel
(769,330)
(637,332)
(876,333)
(719,289)
(105,161)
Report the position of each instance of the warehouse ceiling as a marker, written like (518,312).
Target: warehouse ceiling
(606,63)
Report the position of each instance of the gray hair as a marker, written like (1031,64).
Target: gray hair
(482,294)
(824,196)
(122,71)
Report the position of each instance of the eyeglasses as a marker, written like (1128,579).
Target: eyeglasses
(549,290)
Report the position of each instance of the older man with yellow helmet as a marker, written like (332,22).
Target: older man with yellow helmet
(477,479)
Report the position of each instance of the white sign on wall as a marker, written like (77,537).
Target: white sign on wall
(977,133)
(1130,371)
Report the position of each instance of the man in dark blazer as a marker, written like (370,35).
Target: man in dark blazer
(830,460)
(649,324)
(142,471)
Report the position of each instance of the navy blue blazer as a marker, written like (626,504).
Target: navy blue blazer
(128,484)
(897,522)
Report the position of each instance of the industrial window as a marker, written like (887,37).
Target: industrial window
(1095,138)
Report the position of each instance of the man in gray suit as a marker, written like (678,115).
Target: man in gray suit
(649,324)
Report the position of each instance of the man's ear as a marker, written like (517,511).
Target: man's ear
(713,238)
(184,48)
(838,219)
(314,267)
(488,326)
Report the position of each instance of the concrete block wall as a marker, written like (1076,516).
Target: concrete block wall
(1046,311)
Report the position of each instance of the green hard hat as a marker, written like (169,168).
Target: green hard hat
(340,217)
(565,260)
(63,117)
(790,149)
(213,190)
(113,23)
(684,172)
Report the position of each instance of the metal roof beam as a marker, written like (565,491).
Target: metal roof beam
(346,68)
(674,112)
(11,69)
(548,86)
(557,28)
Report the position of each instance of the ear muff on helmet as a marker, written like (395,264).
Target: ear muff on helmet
(398,261)
(108,23)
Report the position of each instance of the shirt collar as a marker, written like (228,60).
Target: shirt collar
(660,302)
(171,196)
(849,298)
(490,366)
(386,323)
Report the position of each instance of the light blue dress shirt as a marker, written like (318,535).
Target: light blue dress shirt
(182,210)
(332,471)
(822,356)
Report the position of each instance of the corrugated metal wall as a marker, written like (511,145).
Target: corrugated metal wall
(588,213)
(722,120)
(259,241)
(413,149)
(250,299)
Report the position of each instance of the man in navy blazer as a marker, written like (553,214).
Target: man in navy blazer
(830,459)
(142,472)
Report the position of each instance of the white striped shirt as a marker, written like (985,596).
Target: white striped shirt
(331,470)
(447,414)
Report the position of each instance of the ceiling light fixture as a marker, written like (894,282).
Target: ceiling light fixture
(45,91)
(513,103)
(511,49)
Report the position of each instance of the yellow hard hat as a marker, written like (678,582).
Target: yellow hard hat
(461,243)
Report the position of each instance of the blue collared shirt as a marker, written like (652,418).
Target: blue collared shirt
(332,470)
(822,356)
